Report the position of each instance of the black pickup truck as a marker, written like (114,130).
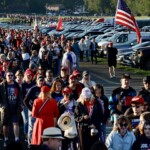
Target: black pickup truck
(141,58)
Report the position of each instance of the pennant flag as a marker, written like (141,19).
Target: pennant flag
(59,25)
(125,18)
(35,25)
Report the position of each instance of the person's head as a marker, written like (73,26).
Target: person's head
(98,90)
(110,44)
(86,75)
(49,75)
(45,92)
(93,39)
(99,146)
(146,82)
(64,72)
(76,73)
(72,80)
(9,76)
(33,67)
(145,116)
(123,125)
(52,137)
(67,91)
(146,129)
(57,85)
(86,37)
(125,80)
(2,58)
(19,75)
(28,75)
(40,81)
(34,53)
(86,95)
(14,63)
(40,70)
(137,103)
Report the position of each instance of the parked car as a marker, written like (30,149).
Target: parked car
(124,55)
(141,58)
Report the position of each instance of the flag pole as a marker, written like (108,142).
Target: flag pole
(115,17)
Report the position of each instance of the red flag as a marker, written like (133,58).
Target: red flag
(100,20)
(35,25)
(59,25)
(124,17)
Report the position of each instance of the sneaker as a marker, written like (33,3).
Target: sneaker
(5,143)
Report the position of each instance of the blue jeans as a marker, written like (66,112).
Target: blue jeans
(87,55)
(24,114)
(103,132)
(30,126)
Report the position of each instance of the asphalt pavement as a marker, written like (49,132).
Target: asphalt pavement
(99,74)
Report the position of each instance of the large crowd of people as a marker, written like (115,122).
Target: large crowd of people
(40,80)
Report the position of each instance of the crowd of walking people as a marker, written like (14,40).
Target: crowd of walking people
(40,81)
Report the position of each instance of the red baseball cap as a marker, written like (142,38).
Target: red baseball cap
(138,100)
(67,90)
(28,72)
(64,68)
(45,88)
(76,73)
(72,76)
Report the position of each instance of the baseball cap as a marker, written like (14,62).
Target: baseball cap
(28,72)
(126,76)
(86,92)
(64,68)
(146,79)
(85,73)
(76,73)
(67,90)
(72,76)
(45,88)
(138,100)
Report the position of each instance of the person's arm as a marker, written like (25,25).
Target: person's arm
(35,109)
(109,142)
(27,100)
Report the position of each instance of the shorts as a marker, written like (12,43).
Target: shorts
(9,119)
(112,63)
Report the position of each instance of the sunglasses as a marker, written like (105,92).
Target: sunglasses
(136,106)
(123,124)
(10,75)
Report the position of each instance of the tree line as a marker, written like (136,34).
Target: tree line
(101,7)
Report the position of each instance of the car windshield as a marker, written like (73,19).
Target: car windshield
(113,38)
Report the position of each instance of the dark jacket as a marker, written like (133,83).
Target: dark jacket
(143,143)
(96,117)
(39,147)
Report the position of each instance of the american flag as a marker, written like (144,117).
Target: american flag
(125,18)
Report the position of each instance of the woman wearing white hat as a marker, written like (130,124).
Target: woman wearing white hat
(88,115)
